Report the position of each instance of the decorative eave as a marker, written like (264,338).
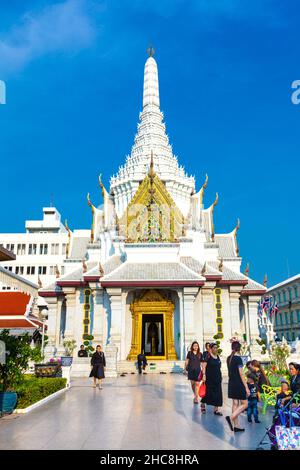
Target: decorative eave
(183,283)
(71,283)
(233,282)
(51,294)
(253,292)
(91,278)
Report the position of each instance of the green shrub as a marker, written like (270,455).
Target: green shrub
(34,389)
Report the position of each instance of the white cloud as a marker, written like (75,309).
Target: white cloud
(65,27)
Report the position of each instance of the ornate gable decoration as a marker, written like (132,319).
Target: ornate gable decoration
(152,216)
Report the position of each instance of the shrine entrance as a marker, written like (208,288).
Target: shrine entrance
(152,326)
(153,335)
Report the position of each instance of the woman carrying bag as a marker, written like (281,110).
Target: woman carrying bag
(212,377)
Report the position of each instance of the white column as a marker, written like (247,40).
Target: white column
(189,295)
(51,322)
(253,317)
(71,312)
(208,312)
(115,296)
(97,294)
(58,320)
(234,299)
(181,325)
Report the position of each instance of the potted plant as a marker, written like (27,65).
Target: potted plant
(69,345)
(18,354)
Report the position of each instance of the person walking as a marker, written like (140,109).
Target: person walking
(238,389)
(98,364)
(193,368)
(212,377)
(204,356)
(142,362)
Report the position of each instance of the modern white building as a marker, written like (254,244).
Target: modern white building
(46,250)
(155,276)
(286,294)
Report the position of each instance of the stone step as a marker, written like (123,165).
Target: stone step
(154,367)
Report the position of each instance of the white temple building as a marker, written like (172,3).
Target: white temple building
(154,275)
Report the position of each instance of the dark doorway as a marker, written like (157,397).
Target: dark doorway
(153,335)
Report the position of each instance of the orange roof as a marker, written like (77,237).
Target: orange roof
(22,323)
(13,303)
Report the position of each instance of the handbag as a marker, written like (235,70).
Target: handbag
(200,376)
(202,390)
(288,438)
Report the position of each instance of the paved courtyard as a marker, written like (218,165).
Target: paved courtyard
(132,412)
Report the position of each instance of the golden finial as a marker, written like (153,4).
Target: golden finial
(201,194)
(236,229)
(102,186)
(84,266)
(40,283)
(221,265)
(57,273)
(265,282)
(203,272)
(212,218)
(150,51)
(89,200)
(216,200)
(247,270)
(101,270)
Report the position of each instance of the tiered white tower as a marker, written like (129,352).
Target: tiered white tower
(151,137)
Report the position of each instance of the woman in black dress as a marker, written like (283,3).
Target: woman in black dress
(238,389)
(98,365)
(193,367)
(212,376)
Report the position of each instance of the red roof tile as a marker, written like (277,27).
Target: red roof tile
(13,303)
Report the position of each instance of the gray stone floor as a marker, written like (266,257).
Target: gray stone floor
(132,412)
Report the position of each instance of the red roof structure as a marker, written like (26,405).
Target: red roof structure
(15,311)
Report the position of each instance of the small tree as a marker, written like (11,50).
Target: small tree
(263,344)
(69,345)
(19,353)
(87,343)
(279,353)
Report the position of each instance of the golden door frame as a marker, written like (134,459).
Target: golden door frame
(152,302)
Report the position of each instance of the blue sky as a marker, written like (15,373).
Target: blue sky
(74,69)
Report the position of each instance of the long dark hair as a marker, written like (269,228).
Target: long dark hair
(235,347)
(198,352)
(295,365)
(257,364)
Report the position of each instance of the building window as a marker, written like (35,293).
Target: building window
(64,248)
(10,247)
(286,318)
(284,296)
(52,270)
(21,249)
(32,249)
(54,249)
(298,315)
(42,269)
(62,270)
(279,297)
(30,270)
(19,270)
(296,292)
(43,248)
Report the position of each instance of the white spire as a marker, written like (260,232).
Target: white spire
(151,137)
(151,90)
